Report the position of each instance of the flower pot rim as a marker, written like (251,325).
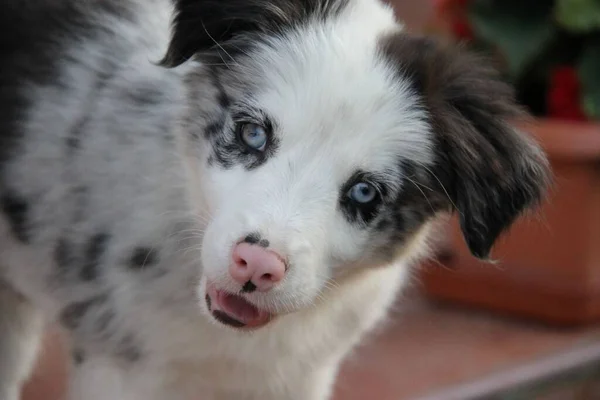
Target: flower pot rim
(566,140)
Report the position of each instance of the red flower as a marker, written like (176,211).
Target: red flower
(462,29)
(564,95)
(453,12)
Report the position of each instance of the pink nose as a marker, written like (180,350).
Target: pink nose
(252,263)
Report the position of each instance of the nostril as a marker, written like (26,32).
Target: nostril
(239,261)
(267,277)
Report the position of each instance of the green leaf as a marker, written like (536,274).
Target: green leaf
(589,75)
(521,30)
(578,16)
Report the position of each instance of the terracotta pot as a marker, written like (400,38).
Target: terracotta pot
(548,267)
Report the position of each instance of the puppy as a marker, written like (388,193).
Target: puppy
(221,198)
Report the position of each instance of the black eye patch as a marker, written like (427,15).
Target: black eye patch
(229,148)
(361,197)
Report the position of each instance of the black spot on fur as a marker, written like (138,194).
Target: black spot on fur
(208,302)
(225,28)
(76,132)
(225,151)
(253,238)
(78,356)
(484,168)
(143,257)
(383,224)
(16,208)
(415,202)
(216,127)
(227,320)
(144,95)
(248,287)
(63,254)
(222,97)
(264,243)
(95,248)
(104,320)
(129,350)
(75,136)
(73,140)
(73,314)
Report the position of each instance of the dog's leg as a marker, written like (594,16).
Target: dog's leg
(20,332)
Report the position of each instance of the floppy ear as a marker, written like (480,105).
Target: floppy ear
(490,171)
(202,24)
(210,25)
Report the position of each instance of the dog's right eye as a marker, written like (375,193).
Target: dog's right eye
(253,136)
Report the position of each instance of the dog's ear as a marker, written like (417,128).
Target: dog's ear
(489,170)
(205,25)
(200,25)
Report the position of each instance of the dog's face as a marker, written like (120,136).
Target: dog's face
(321,140)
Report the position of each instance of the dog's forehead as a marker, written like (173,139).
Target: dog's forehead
(329,89)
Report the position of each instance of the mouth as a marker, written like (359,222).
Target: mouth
(234,310)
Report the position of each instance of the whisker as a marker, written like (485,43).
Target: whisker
(422,192)
(221,47)
(443,187)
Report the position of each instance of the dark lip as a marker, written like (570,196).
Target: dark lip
(222,317)
(229,320)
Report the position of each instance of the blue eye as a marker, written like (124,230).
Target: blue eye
(362,193)
(254,136)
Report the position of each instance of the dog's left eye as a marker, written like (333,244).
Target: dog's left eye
(253,135)
(362,193)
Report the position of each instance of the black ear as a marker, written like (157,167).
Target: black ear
(210,25)
(489,170)
(202,24)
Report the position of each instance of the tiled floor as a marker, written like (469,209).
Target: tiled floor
(426,350)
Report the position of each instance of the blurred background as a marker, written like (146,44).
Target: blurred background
(528,327)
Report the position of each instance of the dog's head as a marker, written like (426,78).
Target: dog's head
(321,139)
